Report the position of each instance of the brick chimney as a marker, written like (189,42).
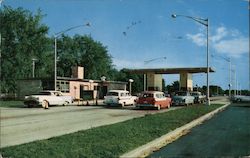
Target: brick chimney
(78,72)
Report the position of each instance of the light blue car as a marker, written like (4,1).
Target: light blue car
(183,98)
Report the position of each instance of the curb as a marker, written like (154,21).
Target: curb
(158,143)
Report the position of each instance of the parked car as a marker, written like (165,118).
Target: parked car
(183,98)
(119,97)
(198,97)
(154,99)
(47,98)
(240,98)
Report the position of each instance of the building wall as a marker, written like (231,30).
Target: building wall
(77,86)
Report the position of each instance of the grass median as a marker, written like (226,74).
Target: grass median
(11,104)
(110,140)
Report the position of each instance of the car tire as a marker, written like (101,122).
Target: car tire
(45,104)
(30,105)
(123,104)
(158,107)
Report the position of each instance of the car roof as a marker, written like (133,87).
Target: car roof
(118,91)
(151,92)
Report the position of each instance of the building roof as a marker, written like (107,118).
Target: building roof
(171,70)
(87,80)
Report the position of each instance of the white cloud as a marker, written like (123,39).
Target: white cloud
(198,39)
(230,42)
(233,47)
(220,33)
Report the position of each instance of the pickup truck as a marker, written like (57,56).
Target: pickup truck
(47,98)
(198,97)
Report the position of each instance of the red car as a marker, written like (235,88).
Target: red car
(154,99)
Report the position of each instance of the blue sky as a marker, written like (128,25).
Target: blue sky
(152,33)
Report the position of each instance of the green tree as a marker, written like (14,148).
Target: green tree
(23,37)
(173,87)
(137,85)
(84,51)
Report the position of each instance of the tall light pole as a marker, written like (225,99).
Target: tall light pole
(204,22)
(56,36)
(130,87)
(33,66)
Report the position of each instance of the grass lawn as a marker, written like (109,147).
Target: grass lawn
(11,104)
(110,140)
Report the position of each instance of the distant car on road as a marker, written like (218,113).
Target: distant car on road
(47,98)
(154,99)
(183,98)
(198,97)
(119,97)
(240,98)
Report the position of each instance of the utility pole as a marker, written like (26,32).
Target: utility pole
(229,78)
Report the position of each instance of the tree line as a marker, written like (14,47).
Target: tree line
(25,38)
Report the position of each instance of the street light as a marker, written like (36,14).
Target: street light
(56,36)
(130,82)
(205,23)
(33,66)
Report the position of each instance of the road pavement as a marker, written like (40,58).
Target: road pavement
(23,125)
(225,135)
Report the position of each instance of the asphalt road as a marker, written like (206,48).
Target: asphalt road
(225,135)
(22,125)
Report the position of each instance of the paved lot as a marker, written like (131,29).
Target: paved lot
(225,135)
(22,125)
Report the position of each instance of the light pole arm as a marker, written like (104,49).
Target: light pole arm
(61,32)
(199,20)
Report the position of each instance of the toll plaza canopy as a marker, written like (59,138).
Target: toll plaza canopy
(171,70)
(153,77)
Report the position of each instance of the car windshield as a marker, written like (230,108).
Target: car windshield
(181,93)
(147,95)
(193,94)
(43,93)
(112,94)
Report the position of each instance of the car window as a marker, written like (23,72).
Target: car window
(123,94)
(112,94)
(181,93)
(147,95)
(158,95)
(43,93)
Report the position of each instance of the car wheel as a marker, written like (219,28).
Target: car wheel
(30,105)
(65,103)
(123,104)
(158,107)
(45,104)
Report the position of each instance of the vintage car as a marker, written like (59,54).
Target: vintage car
(240,98)
(153,99)
(198,97)
(183,98)
(47,98)
(119,97)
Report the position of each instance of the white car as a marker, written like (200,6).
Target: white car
(119,97)
(183,98)
(47,98)
(240,98)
